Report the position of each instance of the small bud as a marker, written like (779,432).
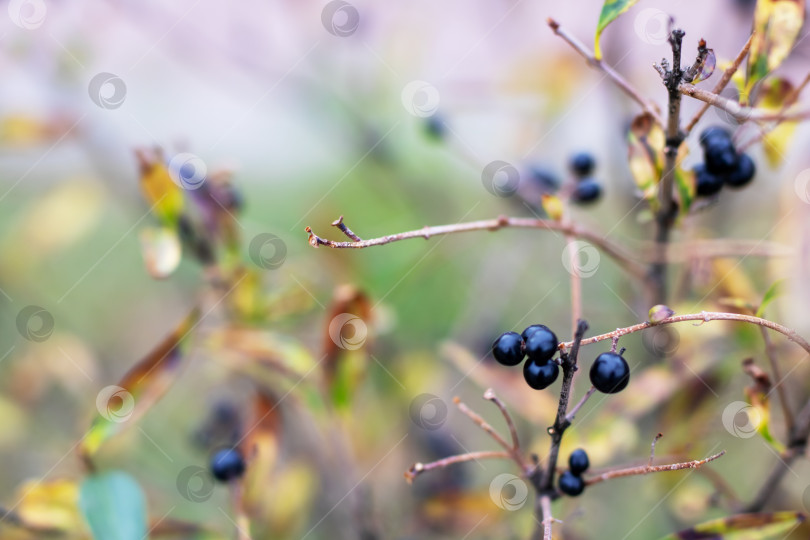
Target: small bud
(659,313)
(553,206)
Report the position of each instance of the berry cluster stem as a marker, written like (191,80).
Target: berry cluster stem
(561,422)
(665,217)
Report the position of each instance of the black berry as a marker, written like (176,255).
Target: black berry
(508,349)
(586,191)
(571,484)
(610,373)
(541,343)
(578,461)
(582,164)
(540,375)
(742,173)
(706,183)
(435,127)
(545,179)
(714,132)
(720,156)
(227,465)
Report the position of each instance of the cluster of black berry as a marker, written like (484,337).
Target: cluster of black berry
(227,465)
(609,374)
(571,481)
(539,344)
(722,164)
(587,189)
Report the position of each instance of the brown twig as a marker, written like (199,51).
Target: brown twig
(739,112)
(652,449)
(561,422)
(625,260)
(704,316)
(570,416)
(721,84)
(665,216)
(647,469)
(489,394)
(617,79)
(346,230)
(547,519)
(576,283)
(480,422)
(419,468)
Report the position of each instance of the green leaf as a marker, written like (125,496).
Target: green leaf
(685,182)
(610,11)
(114,506)
(742,527)
(774,292)
(777,24)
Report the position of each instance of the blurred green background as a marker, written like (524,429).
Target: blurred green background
(315,125)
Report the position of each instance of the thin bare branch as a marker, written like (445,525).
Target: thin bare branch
(703,316)
(740,112)
(419,468)
(617,79)
(647,469)
(652,449)
(490,395)
(722,83)
(570,416)
(480,422)
(625,260)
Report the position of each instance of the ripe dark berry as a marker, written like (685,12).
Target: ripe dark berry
(227,465)
(586,191)
(541,343)
(578,461)
(610,373)
(706,183)
(508,349)
(714,132)
(571,484)
(582,164)
(540,375)
(742,173)
(545,179)
(719,155)
(435,127)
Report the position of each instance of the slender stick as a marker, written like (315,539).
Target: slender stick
(703,316)
(740,112)
(770,352)
(545,506)
(721,84)
(570,416)
(647,469)
(480,422)
(576,283)
(652,449)
(665,217)
(561,422)
(790,99)
(617,79)
(490,395)
(419,468)
(625,260)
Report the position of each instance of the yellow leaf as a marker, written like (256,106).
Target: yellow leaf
(161,192)
(553,206)
(50,505)
(776,26)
